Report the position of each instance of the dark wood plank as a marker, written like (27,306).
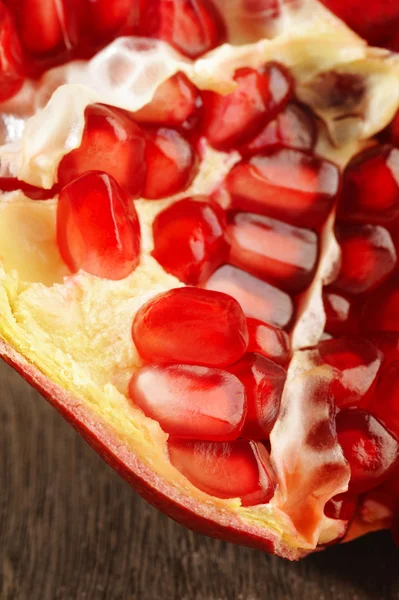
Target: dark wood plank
(70,529)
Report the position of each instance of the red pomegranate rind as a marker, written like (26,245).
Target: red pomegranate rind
(385,402)
(370,191)
(233,119)
(290,185)
(371,451)
(238,469)
(264,382)
(191,326)
(171,164)
(258,299)
(268,341)
(341,313)
(191,402)
(11,58)
(368,257)
(112,143)
(281,254)
(174,101)
(189,239)
(292,128)
(357,364)
(97,227)
(192,26)
(380,309)
(107,19)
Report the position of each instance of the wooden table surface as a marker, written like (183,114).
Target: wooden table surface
(71,529)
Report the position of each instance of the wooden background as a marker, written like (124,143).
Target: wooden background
(70,529)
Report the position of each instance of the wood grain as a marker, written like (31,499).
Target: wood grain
(70,529)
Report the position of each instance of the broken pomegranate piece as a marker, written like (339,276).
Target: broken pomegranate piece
(11,59)
(97,227)
(226,470)
(233,119)
(268,341)
(192,326)
(189,239)
(191,402)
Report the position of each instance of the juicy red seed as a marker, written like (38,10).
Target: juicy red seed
(290,185)
(385,402)
(264,383)
(258,299)
(357,364)
(341,506)
(371,451)
(46,27)
(232,119)
(370,190)
(379,504)
(237,469)
(341,314)
(112,143)
(97,227)
(192,26)
(189,240)
(192,326)
(394,129)
(171,164)
(380,311)
(292,128)
(368,256)
(107,18)
(191,402)
(268,341)
(12,184)
(11,59)
(279,253)
(388,343)
(174,101)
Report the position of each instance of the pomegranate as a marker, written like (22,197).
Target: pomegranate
(199,253)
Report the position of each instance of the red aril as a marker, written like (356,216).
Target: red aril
(292,128)
(279,253)
(368,256)
(191,402)
(268,341)
(174,101)
(380,309)
(112,143)
(372,452)
(385,402)
(388,343)
(237,469)
(192,26)
(189,239)
(394,130)
(11,59)
(357,364)
(264,382)
(97,227)
(341,313)
(233,119)
(287,184)
(106,18)
(370,191)
(12,184)
(341,506)
(192,326)
(258,299)
(381,503)
(171,164)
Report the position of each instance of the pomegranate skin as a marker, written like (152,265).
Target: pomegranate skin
(196,515)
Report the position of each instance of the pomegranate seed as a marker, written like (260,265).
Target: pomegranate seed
(233,119)
(238,469)
(385,402)
(341,316)
(264,383)
(11,59)
(171,164)
(107,18)
(192,26)
(191,402)
(388,343)
(174,101)
(12,184)
(357,363)
(111,142)
(367,257)
(371,186)
(292,128)
(341,506)
(381,503)
(281,254)
(257,298)
(290,185)
(189,240)
(371,451)
(46,26)
(268,341)
(97,227)
(192,326)
(380,311)
(394,129)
